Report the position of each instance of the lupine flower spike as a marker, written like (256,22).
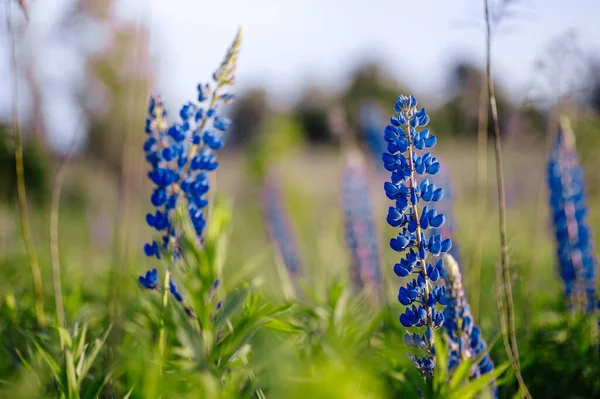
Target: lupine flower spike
(360,227)
(279,227)
(372,121)
(568,206)
(420,252)
(446,206)
(464,337)
(181,156)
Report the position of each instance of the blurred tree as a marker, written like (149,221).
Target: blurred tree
(281,136)
(458,116)
(369,82)
(587,130)
(311,112)
(248,115)
(35,166)
(594,85)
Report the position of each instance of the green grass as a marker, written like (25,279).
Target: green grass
(327,343)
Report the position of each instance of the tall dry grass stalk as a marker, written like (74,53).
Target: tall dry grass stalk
(54,246)
(503,277)
(21,190)
(481,199)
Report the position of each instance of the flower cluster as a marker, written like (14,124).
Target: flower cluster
(279,228)
(568,207)
(181,156)
(420,251)
(360,227)
(464,337)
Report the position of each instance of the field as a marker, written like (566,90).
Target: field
(326,342)
(351,245)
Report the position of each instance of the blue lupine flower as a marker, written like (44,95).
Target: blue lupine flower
(568,206)
(182,154)
(360,228)
(150,280)
(446,206)
(420,251)
(372,122)
(174,291)
(279,228)
(464,337)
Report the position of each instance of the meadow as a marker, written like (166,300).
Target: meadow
(326,341)
(280,268)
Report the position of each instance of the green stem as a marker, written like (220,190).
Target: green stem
(503,271)
(423,270)
(162,333)
(54,250)
(475,271)
(22,192)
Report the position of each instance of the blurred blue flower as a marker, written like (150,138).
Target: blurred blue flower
(568,207)
(182,154)
(279,228)
(174,291)
(362,239)
(420,251)
(373,119)
(464,337)
(150,280)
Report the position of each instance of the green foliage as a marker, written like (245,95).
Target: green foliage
(563,359)
(35,164)
(453,384)
(281,137)
(588,146)
(327,342)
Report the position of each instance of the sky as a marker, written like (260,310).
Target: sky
(291,45)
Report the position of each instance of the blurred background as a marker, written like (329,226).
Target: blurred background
(85,69)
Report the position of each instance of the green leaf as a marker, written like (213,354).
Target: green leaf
(71,377)
(460,375)
(284,326)
(65,337)
(441,363)
(128,394)
(98,344)
(475,387)
(49,361)
(233,304)
(93,390)
(81,344)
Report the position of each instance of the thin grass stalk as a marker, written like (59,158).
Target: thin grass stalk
(54,249)
(21,190)
(503,271)
(481,199)
(162,335)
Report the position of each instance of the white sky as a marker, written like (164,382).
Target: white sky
(289,45)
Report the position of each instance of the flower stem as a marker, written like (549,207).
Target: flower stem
(480,210)
(162,336)
(511,347)
(423,270)
(21,190)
